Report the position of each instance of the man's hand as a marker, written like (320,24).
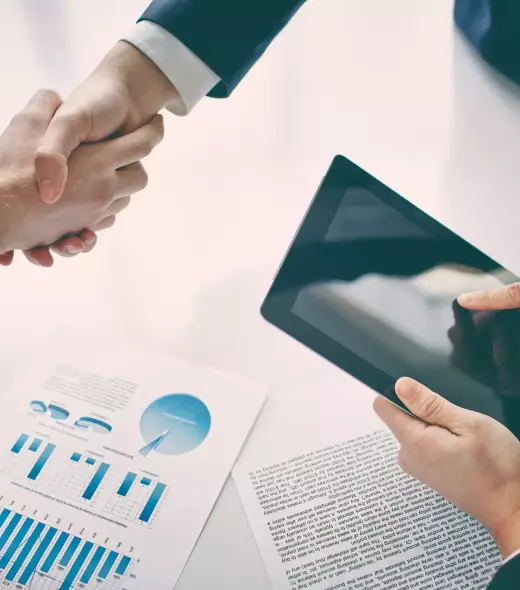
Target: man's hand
(101,179)
(486,338)
(122,94)
(470,459)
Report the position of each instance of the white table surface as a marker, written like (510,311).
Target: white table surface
(389,84)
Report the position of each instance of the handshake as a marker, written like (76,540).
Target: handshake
(67,169)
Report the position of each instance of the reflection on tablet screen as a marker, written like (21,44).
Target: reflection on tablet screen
(385,288)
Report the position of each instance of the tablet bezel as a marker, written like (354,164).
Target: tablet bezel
(278,304)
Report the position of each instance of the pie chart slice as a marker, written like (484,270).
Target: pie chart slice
(97,426)
(175,424)
(58,413)
(38,407)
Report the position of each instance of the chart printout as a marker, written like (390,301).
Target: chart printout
(110,466)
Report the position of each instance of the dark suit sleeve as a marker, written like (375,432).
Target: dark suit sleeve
(508,576)
(493,28)
(227,35)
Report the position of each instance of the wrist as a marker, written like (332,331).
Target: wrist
(507,534)
(148,89)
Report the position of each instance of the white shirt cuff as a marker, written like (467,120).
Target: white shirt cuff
(512,556)
(192,78)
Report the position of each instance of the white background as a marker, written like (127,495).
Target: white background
(389,84)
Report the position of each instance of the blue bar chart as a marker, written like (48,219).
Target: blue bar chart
(153,501)
(20,442)
(41,461)
(127,484)
(80,478)
(95,481)
(35,445)
(36,555)
(30,457)
(138,499)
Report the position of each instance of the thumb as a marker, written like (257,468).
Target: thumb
(65,133)
(504,298)
(428,405)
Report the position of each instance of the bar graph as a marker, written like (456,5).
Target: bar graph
(36,555)
(29,458)
(84,477)
(137,499)
(41,461)
(127,484)
(19,444)
(95,482)
(35,445)
(80,478)
(153,501)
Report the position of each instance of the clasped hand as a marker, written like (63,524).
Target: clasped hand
(62,177)
(100,181)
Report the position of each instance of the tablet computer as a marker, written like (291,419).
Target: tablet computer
(370,282)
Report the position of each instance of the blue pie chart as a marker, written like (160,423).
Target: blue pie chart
(38,407)
(175,424)
(55,412)
(93,424)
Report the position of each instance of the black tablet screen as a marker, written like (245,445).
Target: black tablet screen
(382,283)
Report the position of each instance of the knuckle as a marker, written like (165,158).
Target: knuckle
(513,293)
(105,191)
(431,406)
(73,120)
(50,94)
(25,118)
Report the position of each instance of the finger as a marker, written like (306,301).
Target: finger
(72,245)
(472,341)
(38,113)
(6,258)
(504,298)
(89,239)
(117,206)
(134,146)
(131,179)
(68,247)
(104,223)
(464,330)
(403,426)
(40,256)
(428,405)
(506,351)
(65,132)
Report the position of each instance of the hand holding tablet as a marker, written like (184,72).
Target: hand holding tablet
(371,282)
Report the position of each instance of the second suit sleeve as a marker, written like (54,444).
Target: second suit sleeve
(227,35)
(507,576)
